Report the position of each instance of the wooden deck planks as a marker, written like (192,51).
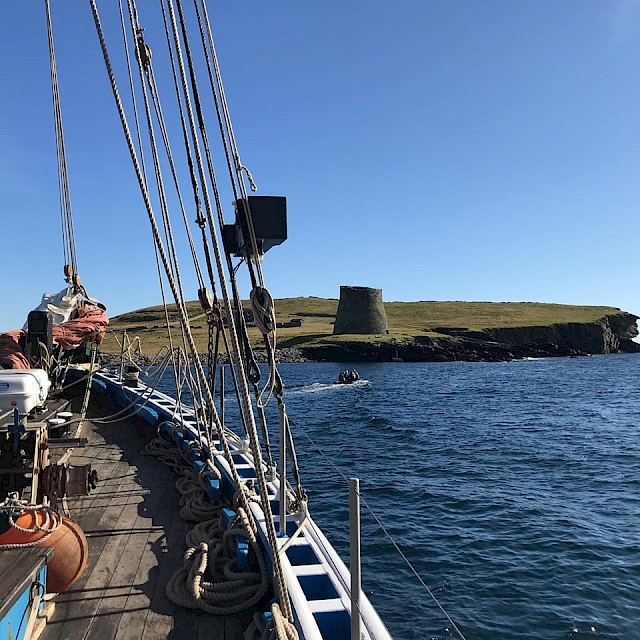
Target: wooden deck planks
(138,602)
(76,607)
(219,628)
(88,512)
(128,607)
(136,542)
(106,516)
(160,606)
(118,565)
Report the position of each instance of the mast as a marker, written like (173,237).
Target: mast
(66,213)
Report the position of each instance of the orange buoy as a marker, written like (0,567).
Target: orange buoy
(44,527)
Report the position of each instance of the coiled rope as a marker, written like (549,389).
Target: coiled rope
(278,628)
(223,589)
(208,579)
(12,507)
(195,505)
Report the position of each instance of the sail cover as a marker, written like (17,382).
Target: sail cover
(90,325)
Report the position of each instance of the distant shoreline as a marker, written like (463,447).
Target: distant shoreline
(444,351)
(418,331)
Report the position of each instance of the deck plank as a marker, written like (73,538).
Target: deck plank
(171,559)
(69,603)
(115,525)
(136,542)
(138,602)
(105,517)
(120,613)
(88,511)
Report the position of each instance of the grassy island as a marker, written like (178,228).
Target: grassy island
(408,321)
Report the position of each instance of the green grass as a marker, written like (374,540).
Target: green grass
(406,320)
(489,315)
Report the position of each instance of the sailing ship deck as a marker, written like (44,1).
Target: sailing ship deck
(136,542)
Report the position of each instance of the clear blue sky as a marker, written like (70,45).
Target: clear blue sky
(439,150)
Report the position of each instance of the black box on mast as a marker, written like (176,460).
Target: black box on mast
(268,216)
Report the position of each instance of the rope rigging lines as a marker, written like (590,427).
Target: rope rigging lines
(68,238)
(235,334)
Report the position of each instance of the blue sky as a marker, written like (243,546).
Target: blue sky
(439,150)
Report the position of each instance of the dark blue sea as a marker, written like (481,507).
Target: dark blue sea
(513,489)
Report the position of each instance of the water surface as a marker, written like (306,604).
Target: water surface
(513,488)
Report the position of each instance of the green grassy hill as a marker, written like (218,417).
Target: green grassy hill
(406,320)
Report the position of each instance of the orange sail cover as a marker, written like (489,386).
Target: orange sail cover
(89,326)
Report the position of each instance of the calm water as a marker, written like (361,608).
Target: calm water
(513,488)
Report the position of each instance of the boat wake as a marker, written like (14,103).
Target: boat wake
(318,387)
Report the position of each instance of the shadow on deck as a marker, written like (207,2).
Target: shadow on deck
(136,542)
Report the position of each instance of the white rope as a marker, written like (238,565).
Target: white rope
(226,132)
(63,179)
(158,241)
(12,507)
(228,590)
(124,413)
(298,531)
(195,505)
(211,546)
(244,389)
(278,627)
(87,391)
(284,629)
(164,451)
(264,316)
(83,411)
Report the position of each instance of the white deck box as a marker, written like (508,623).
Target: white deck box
(24,389)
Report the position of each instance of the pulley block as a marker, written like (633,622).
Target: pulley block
(206,299)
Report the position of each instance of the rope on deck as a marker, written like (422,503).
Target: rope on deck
(209,579)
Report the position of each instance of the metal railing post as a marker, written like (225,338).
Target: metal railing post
(124,340)
(222,394)
(354,547)
(283,469)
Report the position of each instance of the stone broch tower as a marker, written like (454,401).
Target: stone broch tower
(360,310)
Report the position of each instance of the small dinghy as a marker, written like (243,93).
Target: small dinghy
(348,377)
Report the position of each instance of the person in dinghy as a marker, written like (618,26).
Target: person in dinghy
(348,377)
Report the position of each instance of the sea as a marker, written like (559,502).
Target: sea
(509,492)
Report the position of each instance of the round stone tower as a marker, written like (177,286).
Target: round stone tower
(360,310)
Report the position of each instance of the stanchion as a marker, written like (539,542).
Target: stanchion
(354,540)
(283,469)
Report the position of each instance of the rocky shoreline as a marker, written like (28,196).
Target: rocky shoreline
(446,349)
(611,334)
(438,350)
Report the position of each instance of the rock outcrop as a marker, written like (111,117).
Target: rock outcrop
(611,334)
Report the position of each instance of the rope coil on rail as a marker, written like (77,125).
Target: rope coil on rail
(277,628)
(209,579)
(195,505)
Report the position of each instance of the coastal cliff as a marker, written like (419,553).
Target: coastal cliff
(613,333)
